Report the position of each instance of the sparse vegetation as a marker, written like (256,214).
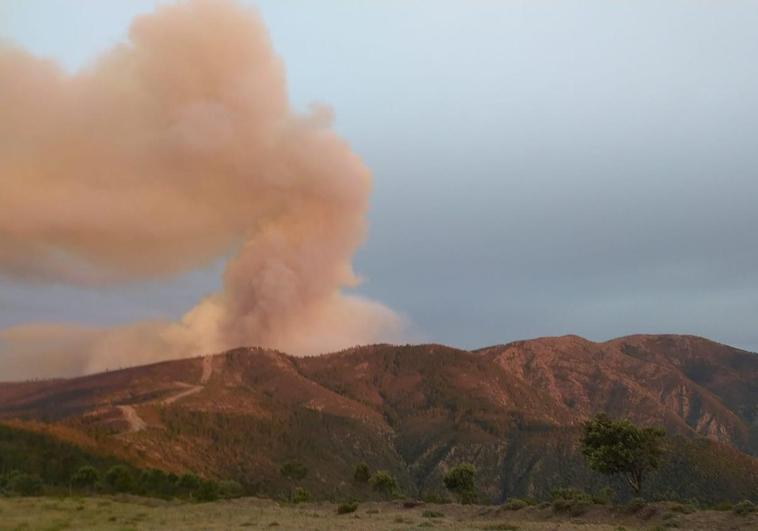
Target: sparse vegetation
(743,508)
(347,507)
(515,504)
(572,501)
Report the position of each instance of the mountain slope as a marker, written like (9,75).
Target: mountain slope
(513,410)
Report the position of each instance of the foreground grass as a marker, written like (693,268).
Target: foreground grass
(133,513)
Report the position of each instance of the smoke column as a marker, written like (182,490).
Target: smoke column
(169,151)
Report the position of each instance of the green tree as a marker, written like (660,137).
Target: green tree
(120,479)
(85,478)
(618,447)
(208,491)
(362,474)
(188,484)
(384,483)
(460,481)
(156,482)
(23,484)
(228,488)
(293,471)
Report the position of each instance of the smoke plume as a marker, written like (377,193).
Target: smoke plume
(169,151)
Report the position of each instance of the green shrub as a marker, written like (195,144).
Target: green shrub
(744,508)
(686,508)
(603,497)
(293,470)
(362,474)
(85,478)
(119,479)
(208,491)
(188,483)
(347,507)
(515,504)
(300,495)
(572,501)
(384,483)
(460,480)
(432,514)
(635,505)
(228,488)
(21,484)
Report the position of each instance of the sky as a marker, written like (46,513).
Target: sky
(540,168)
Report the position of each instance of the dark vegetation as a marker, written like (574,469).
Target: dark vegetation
(33,464)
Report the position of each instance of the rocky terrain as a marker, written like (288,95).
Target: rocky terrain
(513,410)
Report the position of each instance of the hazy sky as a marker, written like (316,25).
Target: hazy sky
(540,168)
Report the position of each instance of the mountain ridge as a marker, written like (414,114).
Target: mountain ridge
(515,410)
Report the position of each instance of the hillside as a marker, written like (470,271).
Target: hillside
(513,410)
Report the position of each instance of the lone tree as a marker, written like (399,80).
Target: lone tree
(460,481)
(620,447)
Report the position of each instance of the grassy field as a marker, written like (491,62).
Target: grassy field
(133,513)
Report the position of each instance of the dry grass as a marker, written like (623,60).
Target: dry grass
(132,513)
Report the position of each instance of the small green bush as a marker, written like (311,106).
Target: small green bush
(85,478)
(207,492)
(686,508)
(120,479)
(361,474)
(572,501)
(460,480)
(744,508)
(432,514)
(300,495)
(635,505)
(384,482)
(229,488)
(515,504)
(347,507)
(603,497)
(22,484)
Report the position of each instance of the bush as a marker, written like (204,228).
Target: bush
(384,482)
(347,507)
(432,514)
(603,497)
(362,474)
(155,482)
(515,504)
(208,491)
(22,484)
(460,480)
(229,488)
(687,508)
(301,495)
(572,501)
(744,508)
(635,505)
(119,478)
(293,470)
(85,478)
(188,483)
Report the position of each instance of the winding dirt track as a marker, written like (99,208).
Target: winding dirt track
(136,423)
